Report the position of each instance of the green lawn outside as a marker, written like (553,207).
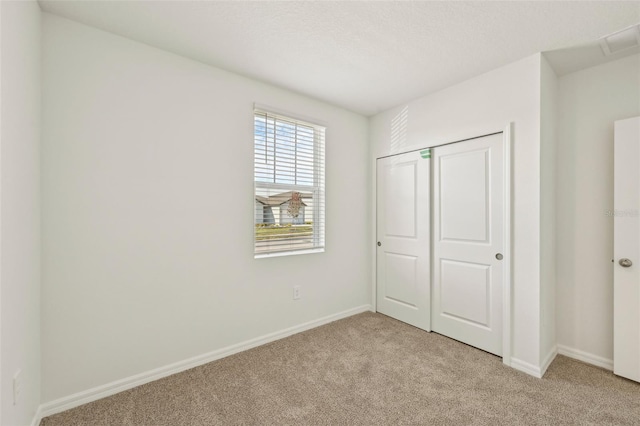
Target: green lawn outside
(280,232)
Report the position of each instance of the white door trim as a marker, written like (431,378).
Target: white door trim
(506,288)
(506,265)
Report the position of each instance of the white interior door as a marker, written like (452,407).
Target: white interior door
(626,299)
(468,201)
(403,255)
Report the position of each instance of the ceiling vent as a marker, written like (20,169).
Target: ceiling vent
(621,40)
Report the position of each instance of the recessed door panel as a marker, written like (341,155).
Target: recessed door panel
(472,281)
(400,201)
(464,205)
(401,275)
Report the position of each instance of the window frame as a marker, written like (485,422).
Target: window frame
(317,189)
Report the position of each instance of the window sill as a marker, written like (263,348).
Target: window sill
(288,253)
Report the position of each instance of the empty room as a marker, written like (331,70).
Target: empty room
(319,212)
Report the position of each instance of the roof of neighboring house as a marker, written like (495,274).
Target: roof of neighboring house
(279,199)
(262,200)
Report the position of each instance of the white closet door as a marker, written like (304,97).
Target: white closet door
(468,200)
(626,275)
(403,254)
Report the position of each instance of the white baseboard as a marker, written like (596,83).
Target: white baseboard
(534,370)
(37,417)
(103,391)
(583,356)
(525,367)
(548,360)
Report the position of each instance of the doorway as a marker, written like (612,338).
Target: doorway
(626,250)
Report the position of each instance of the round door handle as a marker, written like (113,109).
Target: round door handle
(379,243)
(625,263)
(499,256)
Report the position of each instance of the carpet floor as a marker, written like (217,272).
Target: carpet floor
(368,370)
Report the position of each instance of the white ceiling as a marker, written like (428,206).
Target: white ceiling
(365,56)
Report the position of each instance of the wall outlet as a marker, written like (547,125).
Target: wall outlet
(17,387)
(296,292)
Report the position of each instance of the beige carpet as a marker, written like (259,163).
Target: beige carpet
(368,370)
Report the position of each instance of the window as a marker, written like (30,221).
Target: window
(289,185)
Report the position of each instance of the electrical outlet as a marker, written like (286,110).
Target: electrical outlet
(296,292)
(17,387)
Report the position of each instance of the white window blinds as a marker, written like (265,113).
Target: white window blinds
(289,184)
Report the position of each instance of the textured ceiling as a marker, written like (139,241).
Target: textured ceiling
(365,56)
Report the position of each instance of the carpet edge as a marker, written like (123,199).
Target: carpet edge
(525,367)
(587,357)
(83,397)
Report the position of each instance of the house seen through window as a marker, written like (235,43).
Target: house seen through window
(289,184)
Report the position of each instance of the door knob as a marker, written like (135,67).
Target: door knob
(625,263)
(499,256)
(379,243)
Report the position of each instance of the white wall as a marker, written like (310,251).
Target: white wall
(141,266)
(485,104)
(590,101)
(20,209)
(548,154)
